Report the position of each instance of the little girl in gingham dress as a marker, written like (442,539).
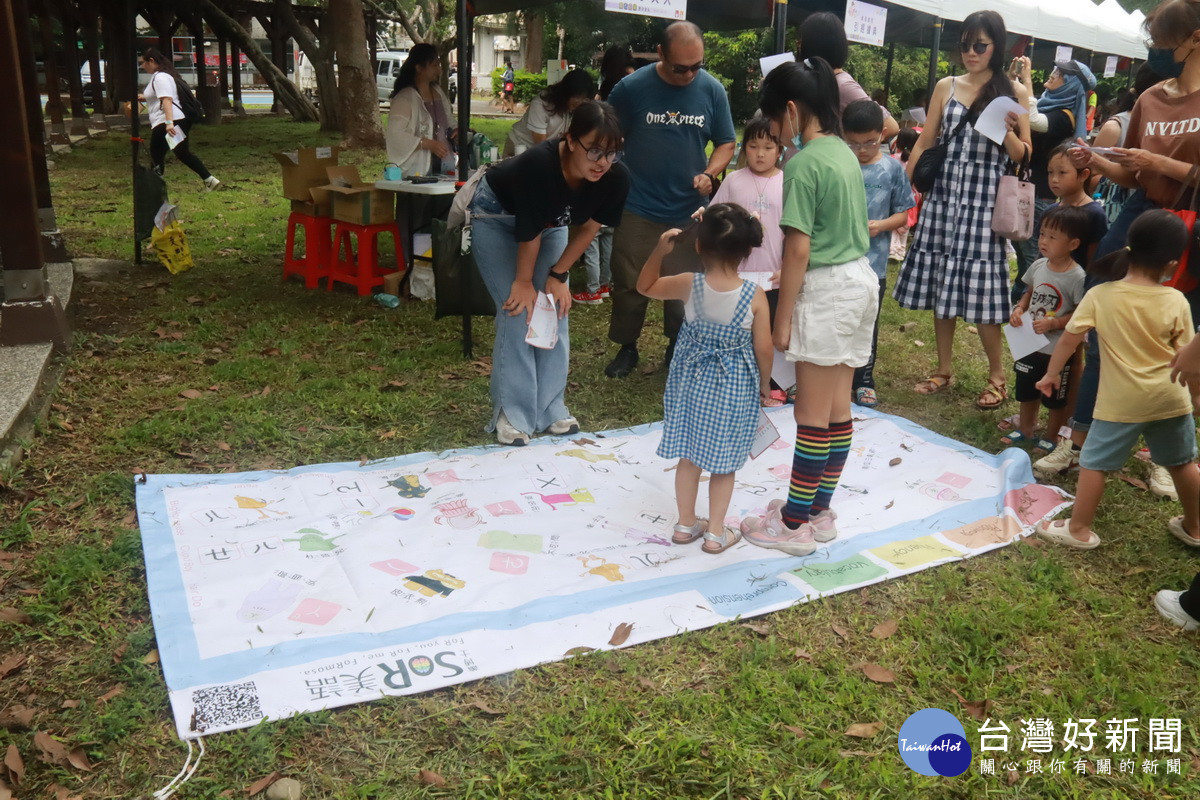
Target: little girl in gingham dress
(720,371)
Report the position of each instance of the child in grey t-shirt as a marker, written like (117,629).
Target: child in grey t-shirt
(1054,287)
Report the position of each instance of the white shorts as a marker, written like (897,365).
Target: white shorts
(835,315)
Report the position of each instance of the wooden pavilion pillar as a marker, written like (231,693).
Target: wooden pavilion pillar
(54,103)
(235,55)
(29,314)
(223,71)
(70,48)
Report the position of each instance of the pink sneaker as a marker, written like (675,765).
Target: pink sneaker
(824,529)
(769,531)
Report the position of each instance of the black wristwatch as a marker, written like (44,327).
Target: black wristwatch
(560,276)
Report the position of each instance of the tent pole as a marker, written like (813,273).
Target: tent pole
(887,76)
(135,131)
(781,12)
(933,58)
(465,22)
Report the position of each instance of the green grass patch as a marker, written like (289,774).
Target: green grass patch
(226,368)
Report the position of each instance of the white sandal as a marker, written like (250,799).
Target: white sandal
(1059,532)
(686,534)
(723,542)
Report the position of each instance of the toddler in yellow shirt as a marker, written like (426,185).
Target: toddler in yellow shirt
(1141,324)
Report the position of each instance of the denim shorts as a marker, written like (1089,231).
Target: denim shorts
(1172,442)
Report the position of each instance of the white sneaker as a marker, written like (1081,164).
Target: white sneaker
(1167,603)
(564,427)
(824,525)
(506,433)
(1064,456)
(211,183)
(1161,484)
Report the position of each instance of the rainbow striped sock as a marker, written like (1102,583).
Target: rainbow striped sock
(808,464)
(840,434)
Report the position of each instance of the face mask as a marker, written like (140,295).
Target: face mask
(797,141)
(1162,61)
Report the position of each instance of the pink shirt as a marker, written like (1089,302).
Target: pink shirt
(762,197)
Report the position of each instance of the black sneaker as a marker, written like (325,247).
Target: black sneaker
(670,353)
(623,363)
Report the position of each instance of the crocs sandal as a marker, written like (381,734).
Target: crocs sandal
(865,397)
(1059,532)
(1016,439)
(937,382)
(993,396)
(686,534)
(720,543)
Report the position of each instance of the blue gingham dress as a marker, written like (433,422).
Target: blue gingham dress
(711,401)
(957,266)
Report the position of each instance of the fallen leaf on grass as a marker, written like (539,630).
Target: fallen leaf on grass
(1013,777)
(272,351)
(70,704)
(79,760)
(430,778)
(582,441)
(485,708)
(129,519)
(864,730)
(15,764)
(761,628)
(191,394)
(977,709)
(621,634)
(804,654)
(5,792)
(799,733)
(377,368)
(885,629)
(1136,571)
(119,652)
(840,631)
(10,665)
(53,751)
(63,793)
(578,651)
(646,683)
(1132,481)
(111,693)
(1012,668)
(223,446)
(878,673)
(16,718)
(261,784)
(14,615)
(854,753)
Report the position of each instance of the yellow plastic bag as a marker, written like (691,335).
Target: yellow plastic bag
(171,245)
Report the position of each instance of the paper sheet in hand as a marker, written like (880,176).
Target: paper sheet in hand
(783,372)
(543,324)
(765,434)
(991,121)
(768,63)
(1022,340)
(177,139)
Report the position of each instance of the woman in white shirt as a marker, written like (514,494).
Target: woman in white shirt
(421,123)
(549,114)
(161,97)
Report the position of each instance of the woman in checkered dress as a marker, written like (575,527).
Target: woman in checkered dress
(957,266)
(720,371)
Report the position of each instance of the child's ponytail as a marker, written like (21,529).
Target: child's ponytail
(809,84)
(1155,240)
(728,233)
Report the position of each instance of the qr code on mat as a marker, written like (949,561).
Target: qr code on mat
(222,706)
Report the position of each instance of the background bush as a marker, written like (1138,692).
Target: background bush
(528,84)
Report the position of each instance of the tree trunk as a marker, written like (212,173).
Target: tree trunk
(535,34)
(320,56)
(286,91)
(54,103)
(359,107)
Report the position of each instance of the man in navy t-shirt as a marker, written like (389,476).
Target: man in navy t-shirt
(669,113)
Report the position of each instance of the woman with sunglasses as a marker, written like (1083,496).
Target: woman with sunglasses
(519,215)
(957,266)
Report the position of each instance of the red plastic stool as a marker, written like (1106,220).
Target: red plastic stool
(314,264)
(361,269)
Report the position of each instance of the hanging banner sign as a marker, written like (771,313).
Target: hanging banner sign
(1063,53)
(1110,66)
(668,9)
(865,23)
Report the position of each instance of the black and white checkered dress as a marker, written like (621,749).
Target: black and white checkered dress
(957,266)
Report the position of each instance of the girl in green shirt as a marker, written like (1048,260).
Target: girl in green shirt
(828,298)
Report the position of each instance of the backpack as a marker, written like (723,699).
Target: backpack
(188,102)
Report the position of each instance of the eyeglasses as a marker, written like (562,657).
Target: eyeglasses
(598,153)
(979,47)
(680,69)
(863,147)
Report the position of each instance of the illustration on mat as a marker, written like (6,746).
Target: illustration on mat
(499,558)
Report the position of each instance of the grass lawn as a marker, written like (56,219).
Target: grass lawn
(284,376)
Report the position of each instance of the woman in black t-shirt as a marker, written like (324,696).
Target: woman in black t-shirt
(519,215)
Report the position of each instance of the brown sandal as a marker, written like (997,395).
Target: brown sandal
(993,396)
(937,382)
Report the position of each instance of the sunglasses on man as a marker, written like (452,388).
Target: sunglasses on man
(979,47)
(681,69)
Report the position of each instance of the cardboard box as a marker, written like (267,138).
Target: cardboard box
(304,169)
(313,209)
(353,200)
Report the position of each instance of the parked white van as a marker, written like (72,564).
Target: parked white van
(386,72)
